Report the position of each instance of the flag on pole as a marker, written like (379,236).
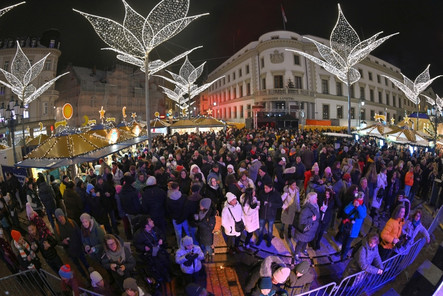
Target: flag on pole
(283,14)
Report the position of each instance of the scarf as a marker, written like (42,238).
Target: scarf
(118,256)
(23,250)
(416,223)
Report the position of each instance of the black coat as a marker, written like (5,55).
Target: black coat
(143,238)
(306,219)
(154,201)
(129,200)
(47,196)
(273,202)
(205,227)
(74,204)
(333,203)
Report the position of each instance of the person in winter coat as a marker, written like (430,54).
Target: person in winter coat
(409,181)
(189,257)
(132,289)
(355,214)
(55,185)
(410,230)
(33,199)
(69,284)
(366,258)
(73,203)
(92,236)
(175,205)
(45,243)
(390,235)
(232,213)
(67,234)
(253,167)
(307,224)
(99,286)
(270,202)
(245,182)
(213,191)
(129,199)
(7,254)
(327,204)
(184,182)
(205,221)
(195,169)
(290,208)
(251,207)
(377,199)
(47,196)
(150,245)
(26,255)
(190,209)
(118,259)
(96,207)
(154,203)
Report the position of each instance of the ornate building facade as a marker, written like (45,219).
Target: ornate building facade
(265,76)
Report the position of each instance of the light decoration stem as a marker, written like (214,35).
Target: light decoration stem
(136,37)
(185,87)
(345,51)
(413,89)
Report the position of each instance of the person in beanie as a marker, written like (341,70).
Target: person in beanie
(232,213)
(27,257)
(69,282)
(205,221)
(92,236)
(98,284)
(270,202)
(189,257)
(302,277)
(264,288)
(67,233)
(132,289)
(272,267)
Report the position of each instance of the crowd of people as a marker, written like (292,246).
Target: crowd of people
(248,179)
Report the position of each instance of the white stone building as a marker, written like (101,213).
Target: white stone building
(264,73)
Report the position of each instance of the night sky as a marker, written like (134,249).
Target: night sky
(234,23)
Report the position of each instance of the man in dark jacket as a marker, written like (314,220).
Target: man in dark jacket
(47,197)
(74,203)
(129,197)
(67,233)
(262,178)
(300,170)
(149,242)
(175,205)
(270,202)
(154,203)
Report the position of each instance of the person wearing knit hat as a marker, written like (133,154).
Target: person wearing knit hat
(92,236)
(59,212)
(16,235)
(131,288)
(151,181)
(65,272)
(205,221)
(189,257)
(96,279)
(265,287)
(232,218)
(69,282)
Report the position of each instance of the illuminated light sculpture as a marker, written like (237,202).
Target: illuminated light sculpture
(412,89)
(22,74)
(138,36)
(6,9)
(185,87)
(345,51)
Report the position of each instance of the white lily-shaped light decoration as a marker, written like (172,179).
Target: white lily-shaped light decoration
(138,36)
(19,80)
(412,89)
(437,103)
(6,9)
(185,87)
(345,51)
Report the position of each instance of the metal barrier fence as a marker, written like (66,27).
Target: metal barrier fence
(29,282)
(55,282)
(320,291)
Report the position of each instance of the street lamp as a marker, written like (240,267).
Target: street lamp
(435,113)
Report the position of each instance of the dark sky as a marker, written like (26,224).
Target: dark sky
(234,23)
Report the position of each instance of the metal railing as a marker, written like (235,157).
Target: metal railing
(30,282)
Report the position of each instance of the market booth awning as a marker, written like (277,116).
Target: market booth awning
(402,135)
(377,130)
(37,140)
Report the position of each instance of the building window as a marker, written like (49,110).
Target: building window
(241,111)
(387,100)
(262,62)
(263,83)
(380,98)
(370,75)
(339,88)
(378,78)
(371,95)
(351,91)
(388,116)
(362,114)
(247,69)
(297,82)
(234,115)
(394,101)
(361,72)
(6,66)
(233,76)
(352,113)
(248,89)
(325,111)
(229,78)
(48,65)
(362,92)
(241,91)
(278,81)
(248,108)
(45,108)
(239,73)
(280,105)
(386,81)
(296,59)
(399,102)
(340,112)
(52,43)
(2,90)
(372,115)
(324,86)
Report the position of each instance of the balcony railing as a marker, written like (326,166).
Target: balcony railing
(284,91)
